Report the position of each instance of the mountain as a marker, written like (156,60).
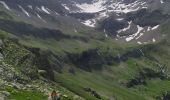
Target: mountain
(85,49)
(93,13)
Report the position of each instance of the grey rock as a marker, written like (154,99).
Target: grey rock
(17,85)
(2,98)
(1,57)
(1,43)
(1,70)
(5,93)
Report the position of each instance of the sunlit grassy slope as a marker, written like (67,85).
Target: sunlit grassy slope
(109,81)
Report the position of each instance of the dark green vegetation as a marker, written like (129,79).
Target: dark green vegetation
(49,59)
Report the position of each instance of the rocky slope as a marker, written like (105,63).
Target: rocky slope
(22,73)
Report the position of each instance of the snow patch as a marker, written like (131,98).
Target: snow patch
(75,30)
(40,17)
(121,7)
(141,34)
(126,10)
(90,23)
(139,42)
(5,5)
(45,10)
(96,6)
(125,29)
(120,19)
(23,10)
(161,1)
(105,7)
(149,28)
(56,13)
(65,6)
(102,15)
(37,8)
(153,40)
(131,37)
(110,6)
(155,27)
(106,35)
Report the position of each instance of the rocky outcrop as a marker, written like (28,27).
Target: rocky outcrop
(146,18)
(4,95)
(146,74)
(111,26)
(20,58)
(93,93)
(87,60)
(164,96)
(95,59)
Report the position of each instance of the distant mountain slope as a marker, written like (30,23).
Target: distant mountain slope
(112,18)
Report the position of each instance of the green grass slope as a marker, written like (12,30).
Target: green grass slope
(73,63)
